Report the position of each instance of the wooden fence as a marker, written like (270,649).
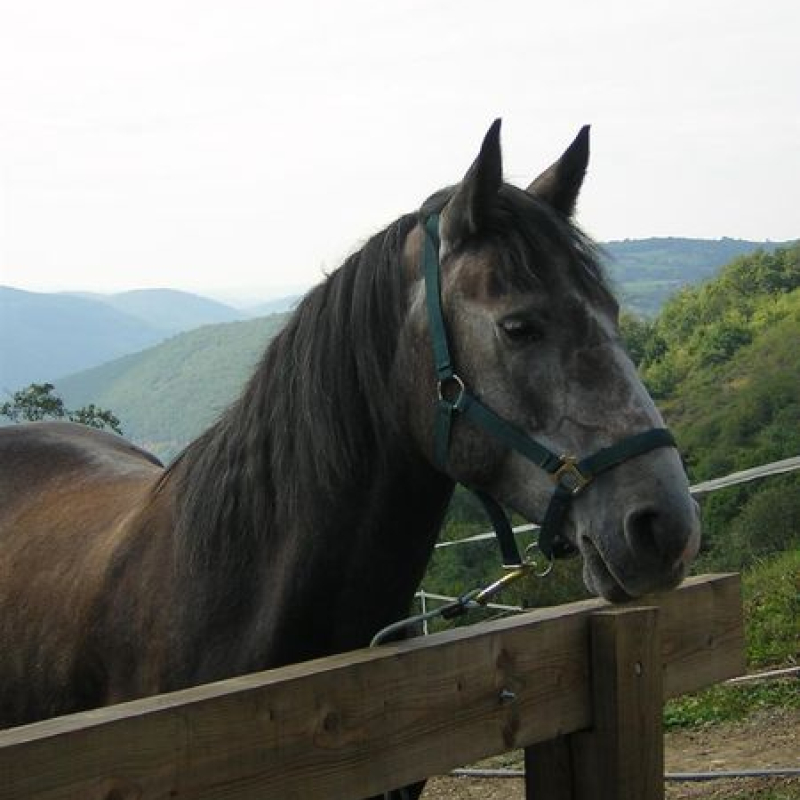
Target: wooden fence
(580,686)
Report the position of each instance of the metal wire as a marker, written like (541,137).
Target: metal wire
(698,490)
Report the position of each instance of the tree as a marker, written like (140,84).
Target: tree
(39,402)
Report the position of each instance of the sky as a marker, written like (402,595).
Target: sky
(246,148)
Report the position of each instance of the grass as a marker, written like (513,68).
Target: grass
(730,703)
(771,595)
(771,592)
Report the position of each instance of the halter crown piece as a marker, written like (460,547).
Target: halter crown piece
(569,474)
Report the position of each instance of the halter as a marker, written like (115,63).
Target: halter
(569,474)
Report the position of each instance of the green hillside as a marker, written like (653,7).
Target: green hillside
(648,271)
(723,362)
(166,395)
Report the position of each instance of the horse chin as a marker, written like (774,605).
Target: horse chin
(598,577)
(603,580)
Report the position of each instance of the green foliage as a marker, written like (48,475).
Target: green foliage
(708,325)
(167,395)
(38,402)
(771,591)
(730,703)
(771,596)
(723,363)
(649,271)
(33,404)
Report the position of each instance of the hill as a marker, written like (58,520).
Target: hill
(46,336)
(178,366)
(648,271)
(278,305)
(166,395)
(170,310)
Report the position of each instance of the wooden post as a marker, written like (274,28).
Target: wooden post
(622,756)
(548,770)
(690,647)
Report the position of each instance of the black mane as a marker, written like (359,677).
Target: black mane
(314,410)
(316,406)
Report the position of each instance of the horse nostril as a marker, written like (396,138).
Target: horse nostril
(668,536)
(646,534)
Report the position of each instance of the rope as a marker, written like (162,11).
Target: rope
(747,475)
(788,672)
(698,490)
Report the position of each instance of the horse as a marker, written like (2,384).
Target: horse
(301,522)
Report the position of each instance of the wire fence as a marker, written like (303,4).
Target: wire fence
(782,467)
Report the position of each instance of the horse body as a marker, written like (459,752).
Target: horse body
(179,577)
(302,521)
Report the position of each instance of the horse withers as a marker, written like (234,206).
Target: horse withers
(301,522)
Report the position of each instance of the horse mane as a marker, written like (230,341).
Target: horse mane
(318,406)
(314,410)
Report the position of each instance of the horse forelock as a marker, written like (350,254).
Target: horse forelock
(534,243)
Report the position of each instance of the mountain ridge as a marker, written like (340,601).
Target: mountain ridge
(47,335)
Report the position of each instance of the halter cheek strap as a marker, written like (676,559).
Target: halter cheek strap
(569,474)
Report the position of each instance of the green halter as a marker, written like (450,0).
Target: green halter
(569,474)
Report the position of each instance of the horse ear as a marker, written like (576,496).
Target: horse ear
(466,212)
(560,183)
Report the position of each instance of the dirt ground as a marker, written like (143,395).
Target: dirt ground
(768,739)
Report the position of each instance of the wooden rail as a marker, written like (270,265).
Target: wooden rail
(360,723)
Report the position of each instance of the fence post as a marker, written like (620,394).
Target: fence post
(548,770)
(622,756)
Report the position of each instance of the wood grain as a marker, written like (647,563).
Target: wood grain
(360,723)
(622,756)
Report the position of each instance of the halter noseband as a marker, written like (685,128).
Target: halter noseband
(569,474)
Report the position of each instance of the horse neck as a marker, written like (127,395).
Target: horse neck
(304,579)
(305,501)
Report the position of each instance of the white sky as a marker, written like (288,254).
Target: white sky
(202,145)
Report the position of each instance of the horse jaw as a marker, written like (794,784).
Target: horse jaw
(636,525)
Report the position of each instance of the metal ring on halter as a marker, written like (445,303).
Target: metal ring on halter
(533,558)
(462,390)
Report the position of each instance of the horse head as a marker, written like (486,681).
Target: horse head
(533,335)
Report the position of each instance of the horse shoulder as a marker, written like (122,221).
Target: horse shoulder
(71,503)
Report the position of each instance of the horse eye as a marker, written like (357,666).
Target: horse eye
(519,330)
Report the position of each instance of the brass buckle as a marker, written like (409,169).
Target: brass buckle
(569,476)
